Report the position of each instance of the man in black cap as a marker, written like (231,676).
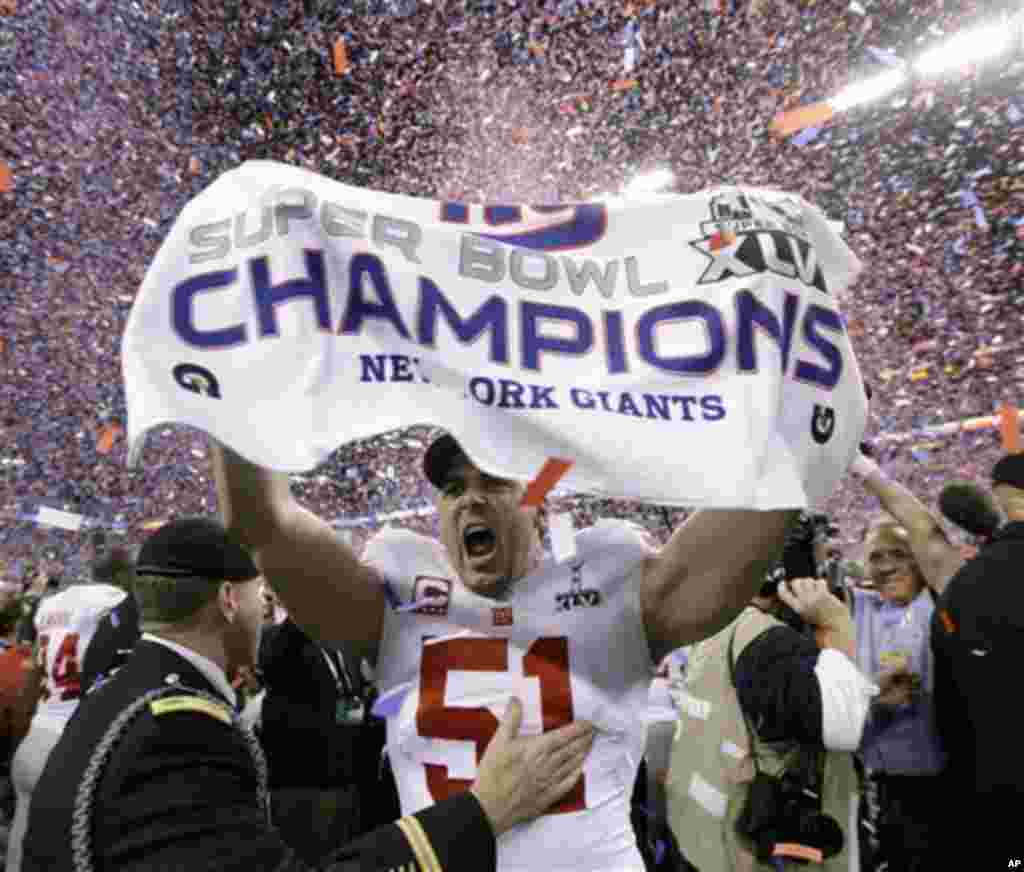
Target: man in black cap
(157,773)
(978,637)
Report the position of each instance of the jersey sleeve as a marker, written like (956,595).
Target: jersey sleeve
(394,553)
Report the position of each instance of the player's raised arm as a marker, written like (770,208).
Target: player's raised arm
(327,590)
(707,572)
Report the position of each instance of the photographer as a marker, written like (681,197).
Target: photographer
(772,708)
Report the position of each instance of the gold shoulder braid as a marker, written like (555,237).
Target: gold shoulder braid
(161,701)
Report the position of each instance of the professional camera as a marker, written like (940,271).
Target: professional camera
(782,816)
(799,559)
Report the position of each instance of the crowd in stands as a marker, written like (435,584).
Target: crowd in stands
(483,101)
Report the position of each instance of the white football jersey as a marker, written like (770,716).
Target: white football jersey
(65,625)
(568,641)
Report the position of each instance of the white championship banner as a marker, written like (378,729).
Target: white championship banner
(686,350)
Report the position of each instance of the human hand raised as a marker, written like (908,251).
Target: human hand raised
(521,777)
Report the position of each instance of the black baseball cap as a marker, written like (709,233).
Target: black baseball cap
(440,457)
(1009,470)
(189,547)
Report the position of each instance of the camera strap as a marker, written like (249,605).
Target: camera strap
(811,763)
(746,723)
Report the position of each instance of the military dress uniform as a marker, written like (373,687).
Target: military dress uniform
(157,773)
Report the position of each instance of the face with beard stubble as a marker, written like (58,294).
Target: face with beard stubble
(490,538)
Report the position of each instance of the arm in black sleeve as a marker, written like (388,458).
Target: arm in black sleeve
(452,836)
(778,688)
(188,799)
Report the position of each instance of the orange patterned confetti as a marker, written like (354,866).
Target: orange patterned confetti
(550,474)
(108,436)
(813,115)
(6,179)
(341,62)
(1009,428)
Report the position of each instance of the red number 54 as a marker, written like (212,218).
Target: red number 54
(546,659)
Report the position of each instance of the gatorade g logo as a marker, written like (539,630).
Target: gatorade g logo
(823,423)
(197,379)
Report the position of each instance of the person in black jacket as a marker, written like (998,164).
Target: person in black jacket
(118,630)
(156,773)
(977,634)
(311,730)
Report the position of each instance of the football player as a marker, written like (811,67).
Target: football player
(459,626)
(82,633)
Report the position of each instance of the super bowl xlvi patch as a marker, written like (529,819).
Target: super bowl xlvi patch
(577,596)
(171,704)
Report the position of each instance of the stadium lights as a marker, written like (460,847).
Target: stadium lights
(872,89)
(971,47)
(649,183)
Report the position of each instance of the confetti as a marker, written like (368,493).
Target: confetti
(815,114)
(550,474)
(191,90)
(340,56)
(1009,428)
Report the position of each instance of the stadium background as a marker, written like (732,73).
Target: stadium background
(114,113)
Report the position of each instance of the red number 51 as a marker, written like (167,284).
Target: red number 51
(546,659)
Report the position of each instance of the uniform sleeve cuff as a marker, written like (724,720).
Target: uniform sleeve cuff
(454,825)
(845,698)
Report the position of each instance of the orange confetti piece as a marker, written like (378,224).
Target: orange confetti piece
(8,7)
(341,62)
(550,474)
(194,166)
(520,135)
(795,120)
(6,179)
(1009,428)
(108,436)
(624,84)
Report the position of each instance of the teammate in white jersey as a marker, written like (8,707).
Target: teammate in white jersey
(66,623)
(458,627)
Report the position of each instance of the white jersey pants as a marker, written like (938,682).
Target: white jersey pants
(26,767)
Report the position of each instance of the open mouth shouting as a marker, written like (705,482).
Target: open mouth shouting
(479,542)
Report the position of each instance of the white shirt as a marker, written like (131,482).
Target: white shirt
(210,670)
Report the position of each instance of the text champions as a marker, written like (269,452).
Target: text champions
(522,333)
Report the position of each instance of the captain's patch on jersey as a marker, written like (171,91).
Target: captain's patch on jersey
(171,704)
